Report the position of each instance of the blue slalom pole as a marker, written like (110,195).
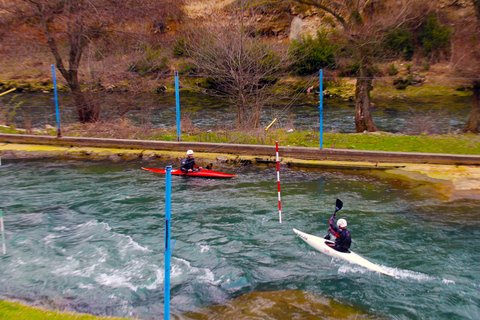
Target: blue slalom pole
(321,108)
(56,101)
(168,247)
(177,99)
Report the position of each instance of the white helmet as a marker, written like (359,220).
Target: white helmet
(342,223)
(189,152)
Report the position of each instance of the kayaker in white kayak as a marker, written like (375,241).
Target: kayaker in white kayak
(343,239)
(188,163)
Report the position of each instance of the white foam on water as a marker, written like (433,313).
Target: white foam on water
(408,274)
(130,245)
(159,280)
(176,271)
(115,281)
(62,228)
(88,286)
(94,223)
(87,272)
(446,281)
(50,238)
(67,268)
(209,277)
(348,268)
(19,261)
(204,248)
(397,273)
(203,274)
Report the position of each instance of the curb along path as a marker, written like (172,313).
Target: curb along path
(261,152)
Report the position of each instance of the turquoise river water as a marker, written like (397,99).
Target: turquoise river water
(89,237)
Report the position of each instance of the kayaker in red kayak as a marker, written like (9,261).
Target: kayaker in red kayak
(188,163)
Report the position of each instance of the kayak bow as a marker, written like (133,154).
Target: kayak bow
(321,245)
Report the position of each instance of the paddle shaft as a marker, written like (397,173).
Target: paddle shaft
(338,207)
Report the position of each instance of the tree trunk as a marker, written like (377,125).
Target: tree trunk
(363,113)
(87,109)
(473,122)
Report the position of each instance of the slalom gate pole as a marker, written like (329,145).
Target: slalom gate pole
(168,252)
(271,123)
(177,99)
(278,184)
(59,134)
(2,229)
(1,94)
(321,108)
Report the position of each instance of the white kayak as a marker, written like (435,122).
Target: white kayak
(321,245)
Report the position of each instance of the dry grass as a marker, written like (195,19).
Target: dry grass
(198,9)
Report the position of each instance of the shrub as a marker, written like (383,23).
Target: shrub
(152,61)
(187,68)
(179,48)
(400,42)
(435,38)
(392,70)
(312,54)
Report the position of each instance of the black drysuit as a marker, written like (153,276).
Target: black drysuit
(187,164)
(343,239)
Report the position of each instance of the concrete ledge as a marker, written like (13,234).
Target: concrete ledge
(250,150)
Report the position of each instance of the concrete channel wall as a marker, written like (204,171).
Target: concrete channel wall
(262,152)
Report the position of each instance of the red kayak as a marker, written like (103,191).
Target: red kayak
(199,173)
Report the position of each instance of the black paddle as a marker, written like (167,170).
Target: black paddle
(338,206)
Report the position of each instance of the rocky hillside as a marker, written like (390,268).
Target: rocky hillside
(26,63)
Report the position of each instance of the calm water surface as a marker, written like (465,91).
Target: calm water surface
(205,112)
(89,237)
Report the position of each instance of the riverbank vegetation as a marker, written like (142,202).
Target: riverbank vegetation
(378,141)
(137,50)
(16,311)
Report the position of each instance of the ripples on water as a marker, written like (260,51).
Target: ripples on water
(89,237)
(300,112)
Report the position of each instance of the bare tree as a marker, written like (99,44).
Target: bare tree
(242,67)
(466,59)
(68,27)
(363,24)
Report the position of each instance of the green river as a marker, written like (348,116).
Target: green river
(89,237)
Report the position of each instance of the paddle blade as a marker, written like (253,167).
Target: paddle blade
(338,205)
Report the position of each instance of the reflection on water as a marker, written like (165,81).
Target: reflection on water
(89,237)
(207,112)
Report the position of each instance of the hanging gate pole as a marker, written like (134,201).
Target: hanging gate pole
(278,185)
(321,108)
(59,134)
(177,99)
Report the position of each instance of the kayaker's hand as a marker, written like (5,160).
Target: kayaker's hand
(200,168)
(190,170)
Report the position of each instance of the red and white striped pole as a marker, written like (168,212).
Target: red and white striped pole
(278,184)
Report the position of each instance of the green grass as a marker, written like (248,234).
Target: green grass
(449,144)
(17,311)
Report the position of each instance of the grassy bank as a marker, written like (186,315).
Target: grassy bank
(379,141)
(17,311)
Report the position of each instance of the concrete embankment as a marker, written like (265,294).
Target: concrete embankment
(452,176)
(242,152)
